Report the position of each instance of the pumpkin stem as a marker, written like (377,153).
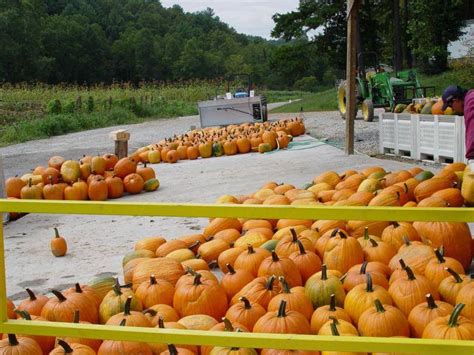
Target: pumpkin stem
(153,280)
(455,275)
(453,319)
(395,224)
(65,346)
(334,232)
(246,302)
(406,240)
(402,264)
(439,256)
(282,309)
(373,242)
(363,267)
(23,314)
(275,257)
(194,245)
(123,322)
(342,235)
(366,233)
(227,325)
(161,322)
(409,271)
(117,289)
(150,311)
(76,317)
(172,349)
(230,268)
(301,247)
(379,306)
(286,287)
(250,249)
(189,270)
(59,295)
(12,340)
(324,272)
(212,264)
(30,182)
(431,302)
(369,287)
(270,281)
(78,288)
(31,294)
(334,330)
(197,279)
(332,303)
(56,233)
(128,302)
(294,235)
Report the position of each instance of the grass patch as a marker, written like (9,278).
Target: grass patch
(319,101)
(58,124)
(462,77)
(280,96)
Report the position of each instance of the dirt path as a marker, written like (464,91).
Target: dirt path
(98,243)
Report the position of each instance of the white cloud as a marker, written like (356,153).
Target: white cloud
(252,17)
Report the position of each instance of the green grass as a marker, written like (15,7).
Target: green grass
(318,101)
(463,77)
(280,96)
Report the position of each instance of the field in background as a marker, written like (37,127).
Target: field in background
(327,100)
(30,112)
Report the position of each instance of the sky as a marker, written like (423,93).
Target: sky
(253,17)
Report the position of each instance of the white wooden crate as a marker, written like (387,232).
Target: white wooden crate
(423,137)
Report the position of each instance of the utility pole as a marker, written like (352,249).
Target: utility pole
(351,71)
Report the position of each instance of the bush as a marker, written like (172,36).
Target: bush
(69,107)
(90,104)
(308,83)
(54,106)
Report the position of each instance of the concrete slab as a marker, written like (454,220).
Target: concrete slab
(98,243)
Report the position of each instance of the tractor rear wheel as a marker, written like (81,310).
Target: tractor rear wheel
(368,110)
(341,100)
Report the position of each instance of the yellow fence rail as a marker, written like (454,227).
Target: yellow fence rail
(244,340)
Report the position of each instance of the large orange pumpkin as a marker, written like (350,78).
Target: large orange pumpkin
(454,237)
(124,167)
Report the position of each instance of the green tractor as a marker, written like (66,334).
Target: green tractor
(378,86)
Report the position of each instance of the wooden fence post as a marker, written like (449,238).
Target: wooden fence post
(120,138)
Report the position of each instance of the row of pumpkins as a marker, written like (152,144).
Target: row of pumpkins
(428,106)
(324,277)
(219,141)
(95,178)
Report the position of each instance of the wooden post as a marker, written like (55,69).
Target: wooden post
(120,138)
(352,8)
(3,217)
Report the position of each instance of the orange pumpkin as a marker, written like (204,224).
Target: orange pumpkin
(98,189)
(133,183)
(124,167)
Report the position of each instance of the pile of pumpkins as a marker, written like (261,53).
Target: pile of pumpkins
(323,277)
(96,178)
(428,106)
(219,141)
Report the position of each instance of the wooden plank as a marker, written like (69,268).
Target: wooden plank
(244,340)
(352,9)
(313,212)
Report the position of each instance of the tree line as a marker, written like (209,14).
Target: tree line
(104,41)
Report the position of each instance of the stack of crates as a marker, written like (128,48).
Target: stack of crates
(433,138)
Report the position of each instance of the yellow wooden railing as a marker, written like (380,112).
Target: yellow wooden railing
(244,340)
